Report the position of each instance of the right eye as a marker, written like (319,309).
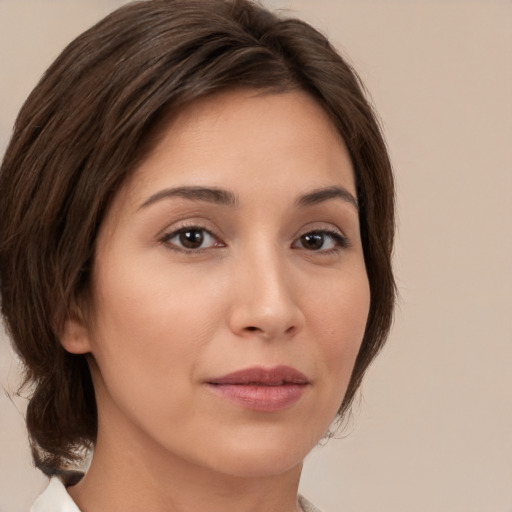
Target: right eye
(193,238)
(322,241)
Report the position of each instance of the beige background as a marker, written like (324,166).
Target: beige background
(433,429)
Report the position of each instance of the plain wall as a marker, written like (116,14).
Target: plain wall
(432,430)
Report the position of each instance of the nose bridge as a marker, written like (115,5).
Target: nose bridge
(266,301)
(269,279)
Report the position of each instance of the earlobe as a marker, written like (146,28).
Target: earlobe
(75,335)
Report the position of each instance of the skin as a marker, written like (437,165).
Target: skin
(256,292)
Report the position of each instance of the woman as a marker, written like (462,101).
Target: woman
(196,234)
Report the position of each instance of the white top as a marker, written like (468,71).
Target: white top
(55,498)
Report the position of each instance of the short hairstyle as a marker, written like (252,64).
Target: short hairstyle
(88,123)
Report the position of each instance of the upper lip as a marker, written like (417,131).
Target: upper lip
(275,376)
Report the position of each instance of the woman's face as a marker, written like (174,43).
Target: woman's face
(230,294)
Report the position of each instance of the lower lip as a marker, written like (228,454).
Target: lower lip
(260,397)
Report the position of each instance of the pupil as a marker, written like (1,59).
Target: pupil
(191,239)
(313,241)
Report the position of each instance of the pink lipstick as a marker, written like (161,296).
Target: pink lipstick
(262,389)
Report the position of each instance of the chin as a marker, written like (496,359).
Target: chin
(260,456)
(258,465)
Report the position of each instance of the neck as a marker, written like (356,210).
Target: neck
(129,475)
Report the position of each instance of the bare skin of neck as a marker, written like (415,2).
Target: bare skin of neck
(130,477)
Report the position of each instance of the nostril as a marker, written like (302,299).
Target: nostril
(252,328)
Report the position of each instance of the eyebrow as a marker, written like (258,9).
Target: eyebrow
(208,194)
(324,194)
(226,198)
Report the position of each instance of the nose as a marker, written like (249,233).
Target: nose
(265,303)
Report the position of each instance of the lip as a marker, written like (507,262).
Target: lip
(261,389)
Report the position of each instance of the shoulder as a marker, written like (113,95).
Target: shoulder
(54,498)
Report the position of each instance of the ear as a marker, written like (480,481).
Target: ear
(75,335)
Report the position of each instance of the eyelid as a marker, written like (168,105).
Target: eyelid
(320,227)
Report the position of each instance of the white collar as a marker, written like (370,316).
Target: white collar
(54,498)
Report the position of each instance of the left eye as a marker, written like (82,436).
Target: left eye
(320,241)
(190,239)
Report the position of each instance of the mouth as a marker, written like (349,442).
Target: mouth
(262,389)
(276,376)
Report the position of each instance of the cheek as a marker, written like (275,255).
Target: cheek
(151,328)
(153,301)
(340,319)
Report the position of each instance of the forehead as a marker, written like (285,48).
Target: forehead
(243,139)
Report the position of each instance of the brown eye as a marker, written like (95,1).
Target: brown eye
(312,241)
(321,241)
(191,239)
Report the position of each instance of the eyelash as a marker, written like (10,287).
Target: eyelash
(340,241)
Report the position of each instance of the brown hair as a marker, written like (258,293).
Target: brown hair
(84,128)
